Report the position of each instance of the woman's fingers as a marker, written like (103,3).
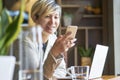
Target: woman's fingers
(70,43)
(66,36)
(63,43)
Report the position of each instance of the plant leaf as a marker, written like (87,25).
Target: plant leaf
(12,31)
(85,53)
(5,20)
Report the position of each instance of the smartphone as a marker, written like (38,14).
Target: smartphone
(72,29)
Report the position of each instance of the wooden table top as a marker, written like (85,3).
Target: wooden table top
(111,77)
(105,77)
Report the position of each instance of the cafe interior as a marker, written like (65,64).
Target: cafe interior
(97,45)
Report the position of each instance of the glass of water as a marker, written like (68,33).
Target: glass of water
(78,72)
(30,75)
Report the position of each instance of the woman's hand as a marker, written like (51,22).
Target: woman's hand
(62,44)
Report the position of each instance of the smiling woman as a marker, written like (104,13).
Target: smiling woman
(42,47)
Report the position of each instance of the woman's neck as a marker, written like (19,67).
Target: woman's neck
(45,37)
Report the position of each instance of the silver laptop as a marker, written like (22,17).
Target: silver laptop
(7,65)
(98,62)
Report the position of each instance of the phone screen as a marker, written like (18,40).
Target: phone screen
(73,30)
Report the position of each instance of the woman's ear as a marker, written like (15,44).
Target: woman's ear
(35,19)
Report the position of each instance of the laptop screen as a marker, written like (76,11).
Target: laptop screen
(98,62)
(7,64)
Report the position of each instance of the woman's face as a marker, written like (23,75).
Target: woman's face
(49,22)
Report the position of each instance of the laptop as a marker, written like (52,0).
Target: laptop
(98,62)
(7,65)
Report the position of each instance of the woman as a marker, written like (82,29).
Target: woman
(46,14)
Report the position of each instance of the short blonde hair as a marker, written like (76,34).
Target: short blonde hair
(44,7)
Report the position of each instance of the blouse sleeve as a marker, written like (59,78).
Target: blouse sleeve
(54,67)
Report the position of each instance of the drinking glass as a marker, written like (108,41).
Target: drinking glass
(30,75)
(78,72)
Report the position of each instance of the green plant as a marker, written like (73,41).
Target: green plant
(85,52)
(9,28)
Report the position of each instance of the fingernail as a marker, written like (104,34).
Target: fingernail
(74,40)
(73,44)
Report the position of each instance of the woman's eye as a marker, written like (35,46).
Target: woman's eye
(47,16)
(56,17)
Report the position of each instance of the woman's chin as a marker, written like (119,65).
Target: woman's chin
(51,31)
(48,33)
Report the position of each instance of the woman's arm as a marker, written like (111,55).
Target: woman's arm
(54,67)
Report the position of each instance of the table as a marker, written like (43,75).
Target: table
(111,77)
(104,77)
